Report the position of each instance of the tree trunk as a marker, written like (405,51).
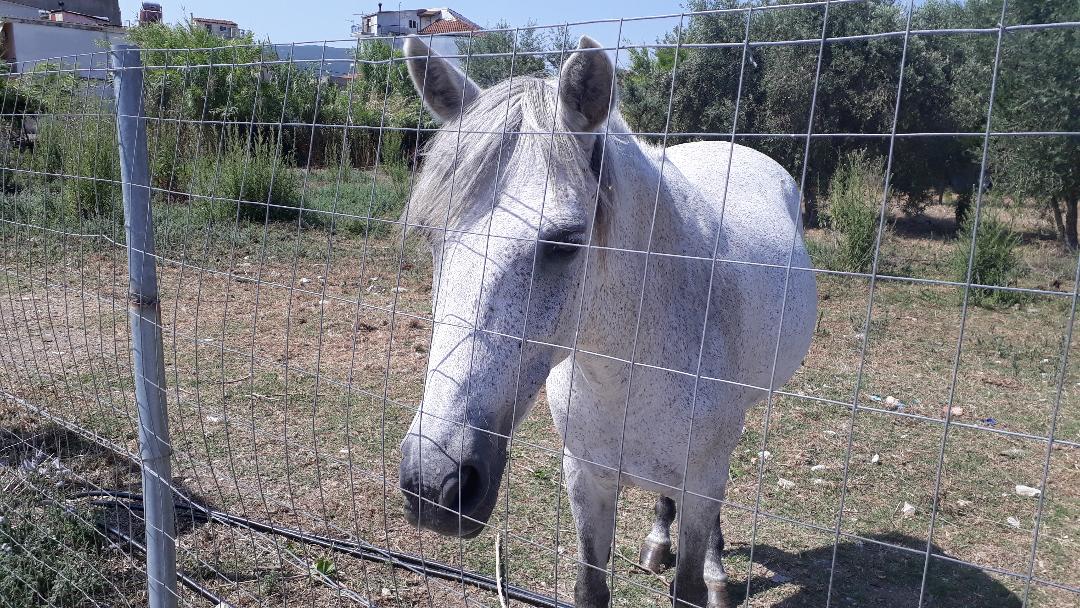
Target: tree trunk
(963,205)
(1059,223)
(810,212)
(1070,222)
(810,207)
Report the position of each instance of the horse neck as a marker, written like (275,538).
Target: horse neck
(646,211)
(642,218)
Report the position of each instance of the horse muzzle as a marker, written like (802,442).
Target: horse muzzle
(447,495)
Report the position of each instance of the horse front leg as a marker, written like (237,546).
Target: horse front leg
(715,575)
(700,579)
(592,500)
(656,555)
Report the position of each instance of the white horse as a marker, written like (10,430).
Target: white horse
(650,289)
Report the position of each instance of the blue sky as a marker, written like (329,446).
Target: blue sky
(330,19)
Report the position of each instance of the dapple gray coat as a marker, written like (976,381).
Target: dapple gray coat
(540,207)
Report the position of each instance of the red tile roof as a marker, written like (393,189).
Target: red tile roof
(448,26)
(463,18)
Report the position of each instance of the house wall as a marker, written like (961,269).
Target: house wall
(30,44)
(387,23)
(219,29)
(428,20)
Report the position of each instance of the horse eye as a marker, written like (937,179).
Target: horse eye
(561,246)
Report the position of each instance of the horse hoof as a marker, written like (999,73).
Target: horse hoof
(689,596)
(655,557)
(718,597)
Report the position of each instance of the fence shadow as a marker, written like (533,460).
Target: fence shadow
(868,574)
(65,457)
(31,447)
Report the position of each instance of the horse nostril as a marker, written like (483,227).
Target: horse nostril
(462,494)
(472,488)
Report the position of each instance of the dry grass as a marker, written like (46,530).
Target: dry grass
(278,358)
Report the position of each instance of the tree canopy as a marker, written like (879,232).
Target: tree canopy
(945,89)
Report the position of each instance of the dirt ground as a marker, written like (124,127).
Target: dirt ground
(292,375)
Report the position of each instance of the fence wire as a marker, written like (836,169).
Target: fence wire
(927,451)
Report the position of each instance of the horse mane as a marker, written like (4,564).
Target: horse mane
(510,123)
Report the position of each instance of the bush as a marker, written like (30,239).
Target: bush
(854,201)
(995,261)
(45,156)
(93,160)
(169,147)
(248,169)
(82,163)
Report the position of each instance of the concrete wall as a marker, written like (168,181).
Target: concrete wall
(30,44)
(387,23)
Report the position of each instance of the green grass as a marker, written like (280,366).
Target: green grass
(47,555)
(51,552)
(244,176)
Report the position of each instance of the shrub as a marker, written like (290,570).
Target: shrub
(995,261)
(169,149)
(45,156)
(248,169)
(93,161)
(854,201)
(83,167)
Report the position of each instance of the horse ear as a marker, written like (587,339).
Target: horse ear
(585,89)
(445,89)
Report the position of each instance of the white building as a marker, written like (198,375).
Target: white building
(222,28)
(30,42)
(442,25)
(413,21)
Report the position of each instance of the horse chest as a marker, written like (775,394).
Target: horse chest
(642,424)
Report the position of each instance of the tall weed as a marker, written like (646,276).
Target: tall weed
(995,262)
(245,175)
(93,161)
(852,212)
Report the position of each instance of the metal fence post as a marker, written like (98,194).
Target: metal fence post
(155,446)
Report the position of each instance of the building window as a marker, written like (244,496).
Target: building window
(412,24)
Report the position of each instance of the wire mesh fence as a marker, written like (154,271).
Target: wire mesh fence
(925,452)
